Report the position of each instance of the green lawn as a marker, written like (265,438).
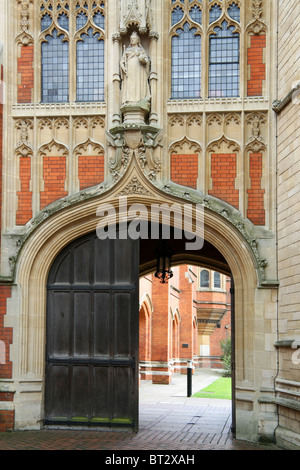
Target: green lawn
(221,388)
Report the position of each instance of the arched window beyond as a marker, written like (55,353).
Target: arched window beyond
(186,63)
(224,62)
(217,280)
(55,69)
(204,279)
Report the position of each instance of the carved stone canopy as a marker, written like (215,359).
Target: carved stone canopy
(135,13)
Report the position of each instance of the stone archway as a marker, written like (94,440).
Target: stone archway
(223,238)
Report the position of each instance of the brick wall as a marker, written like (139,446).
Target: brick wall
(26,77)
(54,175)
(257,66)
(223,174)
(184,170)
(5,333)
(256,212)
(160,331)
(90,170)
(24,212)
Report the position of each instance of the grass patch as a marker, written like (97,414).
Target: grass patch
(221,389)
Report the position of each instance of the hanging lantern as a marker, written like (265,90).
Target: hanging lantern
(163,267)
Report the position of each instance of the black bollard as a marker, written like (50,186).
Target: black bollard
(189,377)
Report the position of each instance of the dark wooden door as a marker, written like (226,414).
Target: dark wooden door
(92,334)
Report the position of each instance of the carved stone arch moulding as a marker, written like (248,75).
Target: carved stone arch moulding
(185,145)
(224,17)
(54,14)
(89,147)
(186,7)
(223,145)
(136,183)
(176,120)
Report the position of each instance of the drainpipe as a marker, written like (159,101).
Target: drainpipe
(276,217)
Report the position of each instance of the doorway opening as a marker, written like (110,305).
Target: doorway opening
(93,315)
(186,332)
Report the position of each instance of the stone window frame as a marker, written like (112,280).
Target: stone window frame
(73,35)
(205,30)
(211,277)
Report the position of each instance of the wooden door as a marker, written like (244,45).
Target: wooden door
(92,334)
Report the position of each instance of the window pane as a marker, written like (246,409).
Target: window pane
(204,279)
(186,64)
(55,69)
(217,280)
(90,67)
(224,69)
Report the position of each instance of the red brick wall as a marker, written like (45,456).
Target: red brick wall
(256,212)
(223,173)
(26,77)
(24,212)
(257,66)
(7,418)
(5,333)
(184,170)
(160,330)
(54,174)
(90,171)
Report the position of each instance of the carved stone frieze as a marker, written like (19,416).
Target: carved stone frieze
(256,142)
(257,24)
(135,187)
(24,37)
(24,145)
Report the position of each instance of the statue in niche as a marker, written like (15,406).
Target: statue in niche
(135,68)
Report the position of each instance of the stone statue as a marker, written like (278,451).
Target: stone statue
(135,68)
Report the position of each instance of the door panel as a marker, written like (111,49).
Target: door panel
(92,334)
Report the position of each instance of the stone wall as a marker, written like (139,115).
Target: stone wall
(288,384)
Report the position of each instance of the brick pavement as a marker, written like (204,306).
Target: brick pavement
(169,421)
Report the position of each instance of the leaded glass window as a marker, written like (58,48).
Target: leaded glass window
(186,64)
(55,69)
(186,22)
(72,33)
(224,62)
(90,67)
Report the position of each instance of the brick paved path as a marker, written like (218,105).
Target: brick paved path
(162,427)
(169,421)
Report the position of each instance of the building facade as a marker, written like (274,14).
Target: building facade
(183,320)
(113,107)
